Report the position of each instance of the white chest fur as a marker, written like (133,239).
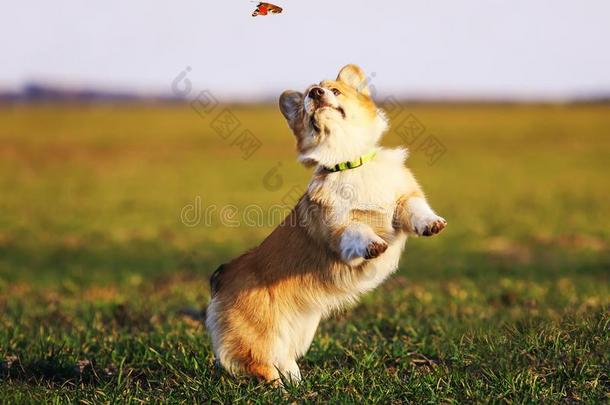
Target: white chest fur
(373,187)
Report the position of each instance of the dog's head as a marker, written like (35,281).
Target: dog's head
(334,121)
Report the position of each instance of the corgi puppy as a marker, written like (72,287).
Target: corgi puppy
(344,237)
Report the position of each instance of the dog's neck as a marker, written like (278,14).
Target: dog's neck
(352,164)
(366,186)
(345,144)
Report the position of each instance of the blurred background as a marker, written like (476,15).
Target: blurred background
(495,50)
(123,122)
(141,147)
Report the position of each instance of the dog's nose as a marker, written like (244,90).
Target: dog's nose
(316,92)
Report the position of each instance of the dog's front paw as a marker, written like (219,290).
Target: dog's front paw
(428,225)
(374,249)
(360,243)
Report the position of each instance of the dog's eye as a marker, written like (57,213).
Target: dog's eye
(336,92)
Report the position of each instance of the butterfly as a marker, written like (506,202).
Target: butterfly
(266,8)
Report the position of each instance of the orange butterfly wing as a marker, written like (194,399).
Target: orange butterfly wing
(259,10)
(273,8)
(266,8)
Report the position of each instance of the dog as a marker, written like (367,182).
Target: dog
(343,238)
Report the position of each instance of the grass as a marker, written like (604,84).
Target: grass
(97,267)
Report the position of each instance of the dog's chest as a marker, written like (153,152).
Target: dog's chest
(377,270)
(351,283)
(367,194)
(372,187)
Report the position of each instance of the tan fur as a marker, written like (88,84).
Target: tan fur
(343,238)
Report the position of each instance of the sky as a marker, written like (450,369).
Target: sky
(544,49)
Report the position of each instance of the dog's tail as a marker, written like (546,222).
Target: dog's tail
(215,279)
(199,315)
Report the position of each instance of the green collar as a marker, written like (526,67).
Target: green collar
(352,164)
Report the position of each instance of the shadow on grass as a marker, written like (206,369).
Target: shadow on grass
(99,261)
(52,370)
(58,371)
(94,259)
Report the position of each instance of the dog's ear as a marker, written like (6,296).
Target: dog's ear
(291,105)
(353,76)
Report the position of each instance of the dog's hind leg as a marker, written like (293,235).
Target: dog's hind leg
(265,372)
(290,372)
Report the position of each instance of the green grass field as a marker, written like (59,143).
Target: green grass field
(97,266)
